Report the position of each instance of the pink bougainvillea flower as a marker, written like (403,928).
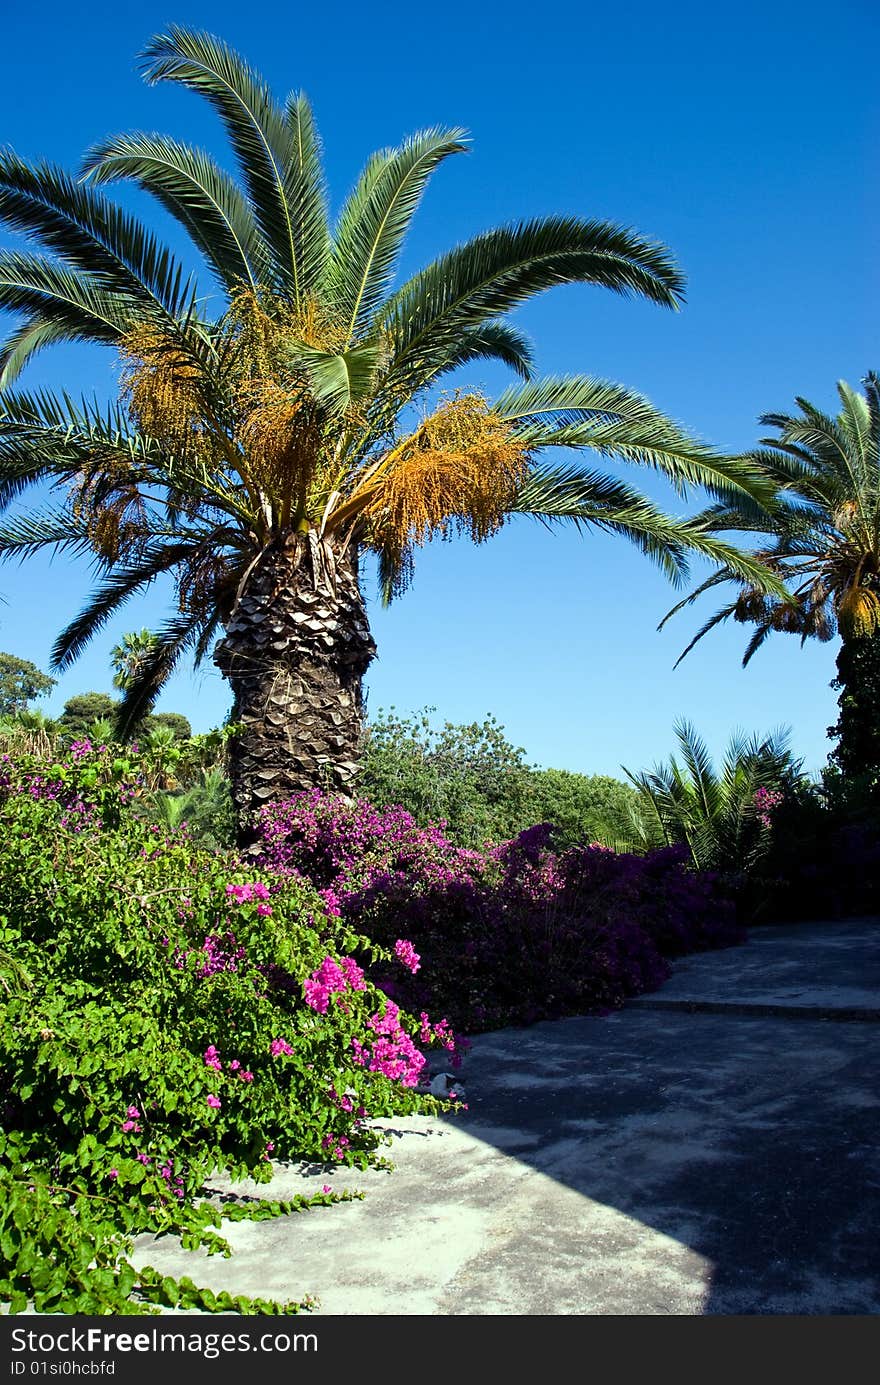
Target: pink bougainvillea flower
(407,955)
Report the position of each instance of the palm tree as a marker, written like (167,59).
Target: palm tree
(128,656)
(258,452)
(823,535)
(724,818)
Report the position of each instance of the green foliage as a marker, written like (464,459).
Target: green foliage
(175,722)
(20,683)
(127,656)
(80,712)
(857,730)
(134,988)
(591,808)
(821,536)
(470,777)
(724,817)
(206,808)
(476,781)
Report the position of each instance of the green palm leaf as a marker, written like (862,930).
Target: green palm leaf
(374,221)
(23,343)
(189,184)
(117,588)
(498,270)
(69,298)
(257,130)
(91,234)
(583,412)
(305,193)
(172,641)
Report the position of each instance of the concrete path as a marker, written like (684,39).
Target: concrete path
(710,1149)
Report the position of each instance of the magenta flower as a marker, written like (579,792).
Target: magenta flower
(215,1103)
(406,953)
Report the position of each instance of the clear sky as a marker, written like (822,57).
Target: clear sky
(744,137)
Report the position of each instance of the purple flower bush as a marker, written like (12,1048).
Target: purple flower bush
(507,935)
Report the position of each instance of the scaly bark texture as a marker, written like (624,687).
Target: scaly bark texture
(857,731)
(296,648)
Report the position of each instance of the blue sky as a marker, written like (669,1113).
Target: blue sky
(746,139)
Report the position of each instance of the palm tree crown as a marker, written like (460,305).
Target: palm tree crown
(823,528)
(723,816)
(288,421)
(127,656)
(823,533)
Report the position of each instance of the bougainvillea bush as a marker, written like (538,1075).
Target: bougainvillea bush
(506,935)
(168,1013)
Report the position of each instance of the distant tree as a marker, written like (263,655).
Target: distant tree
(724,817)
(481,785)
(469,776)
(822,537)
(20,683)
(81,711)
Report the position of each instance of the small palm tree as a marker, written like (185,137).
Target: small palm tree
(724,818)
(258,452)
(823,541)
(129,656)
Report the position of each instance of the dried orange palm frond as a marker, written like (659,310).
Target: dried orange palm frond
(460,470)
(160,385)
(280,436)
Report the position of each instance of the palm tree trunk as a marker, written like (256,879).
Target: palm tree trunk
(857,731)
(296,648)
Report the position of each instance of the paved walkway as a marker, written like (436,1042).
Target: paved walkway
(712,1148)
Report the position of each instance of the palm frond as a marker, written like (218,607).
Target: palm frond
(493,341)
(199,194)
(69,298)
(256,128)
(496,271)
(172,641)
(374,221)
(584,412)
(112,594)
(338,380)
(23,343)
(306,195)
(90,234)
(56,528)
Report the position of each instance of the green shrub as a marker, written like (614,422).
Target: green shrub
(587,808)
(472,778)
(154,1033)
